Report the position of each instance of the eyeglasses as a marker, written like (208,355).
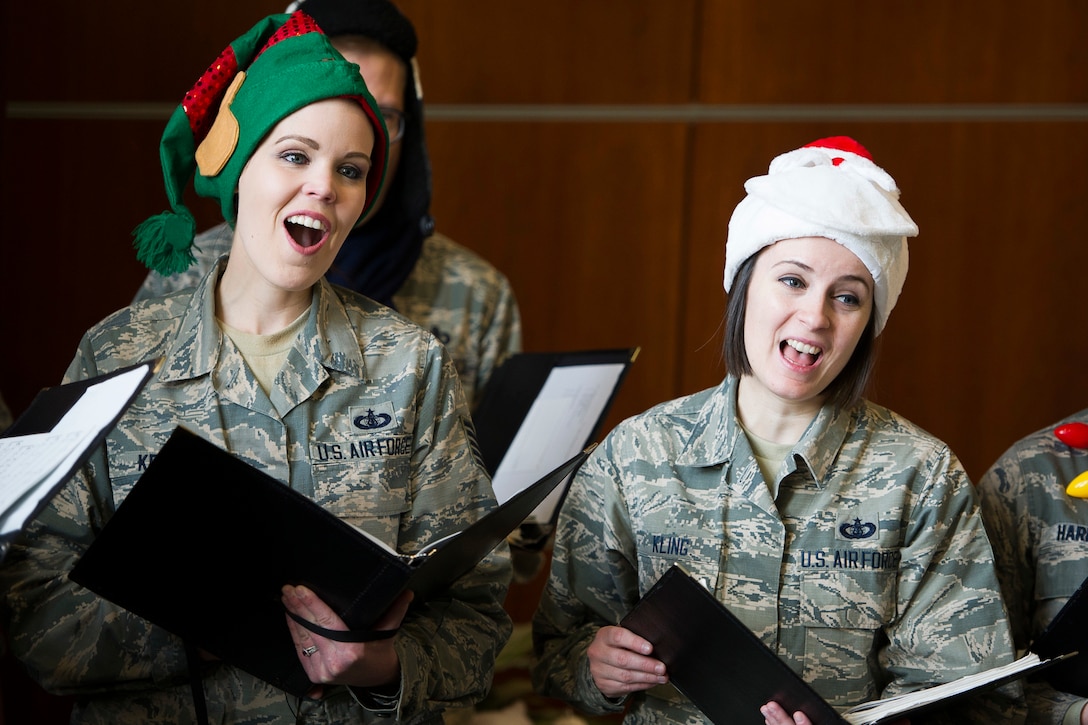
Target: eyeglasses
(394,122)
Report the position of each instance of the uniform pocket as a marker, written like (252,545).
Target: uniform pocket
(843,613)
(368,497)
(847,600)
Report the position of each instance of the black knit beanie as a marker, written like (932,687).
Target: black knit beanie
(379,20)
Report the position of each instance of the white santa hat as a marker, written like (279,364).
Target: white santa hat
(828,188)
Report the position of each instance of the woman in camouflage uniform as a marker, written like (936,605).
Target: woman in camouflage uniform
(268,360)
(398,257)
(843,535)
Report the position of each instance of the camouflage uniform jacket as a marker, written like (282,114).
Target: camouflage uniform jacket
(1040,538)
(851,573)
(466,302)
(407,484)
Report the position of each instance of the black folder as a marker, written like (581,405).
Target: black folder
(26,497)
(509,399)
(714,659)
(1067,632)
(204,542)
(728,673)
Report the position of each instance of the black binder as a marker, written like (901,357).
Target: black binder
(1067,632)
(714,659)
(203,543)
(728,673)
(45,412)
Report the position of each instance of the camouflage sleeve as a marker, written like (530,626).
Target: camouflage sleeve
(1001,491)
(71,640)
(1004,496)
(953,622)
(468,304)
(208,246)
(449,644)
(593,583)
(1047,706)
(501,335)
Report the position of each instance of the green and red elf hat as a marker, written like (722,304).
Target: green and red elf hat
(282,64)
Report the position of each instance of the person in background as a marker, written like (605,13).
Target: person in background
(268,360)
(396,257)
(1032,522)
(840,533)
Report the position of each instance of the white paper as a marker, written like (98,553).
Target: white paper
(870,712)
(557,427)
(32,465)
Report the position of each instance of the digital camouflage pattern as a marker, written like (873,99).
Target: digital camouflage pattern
(409,477)
(454,293)
(1040,540)
(869,573)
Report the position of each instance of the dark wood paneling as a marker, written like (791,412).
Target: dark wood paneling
(929,51)
(586,221)
(992,346)
(126,51)
(572,51)
(80,190)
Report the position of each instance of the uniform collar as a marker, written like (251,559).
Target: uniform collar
(717,437)
(333,343)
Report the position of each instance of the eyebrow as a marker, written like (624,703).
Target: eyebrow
(316,146)
(843,278)
(302,139)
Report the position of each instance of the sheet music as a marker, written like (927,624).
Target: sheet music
(36,463)
(899,705)
(26,461)
(557,426)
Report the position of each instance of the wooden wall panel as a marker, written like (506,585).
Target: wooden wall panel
(128,50)
(88,185)
(572,51)
(925,52)
(993,348)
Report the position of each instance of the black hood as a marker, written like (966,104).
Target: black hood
(379,256)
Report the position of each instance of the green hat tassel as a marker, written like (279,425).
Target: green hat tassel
(164,242)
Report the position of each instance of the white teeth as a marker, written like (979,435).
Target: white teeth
(802,347)
(306,221)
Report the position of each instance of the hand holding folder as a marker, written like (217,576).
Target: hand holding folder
(728,673)
(180,534)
